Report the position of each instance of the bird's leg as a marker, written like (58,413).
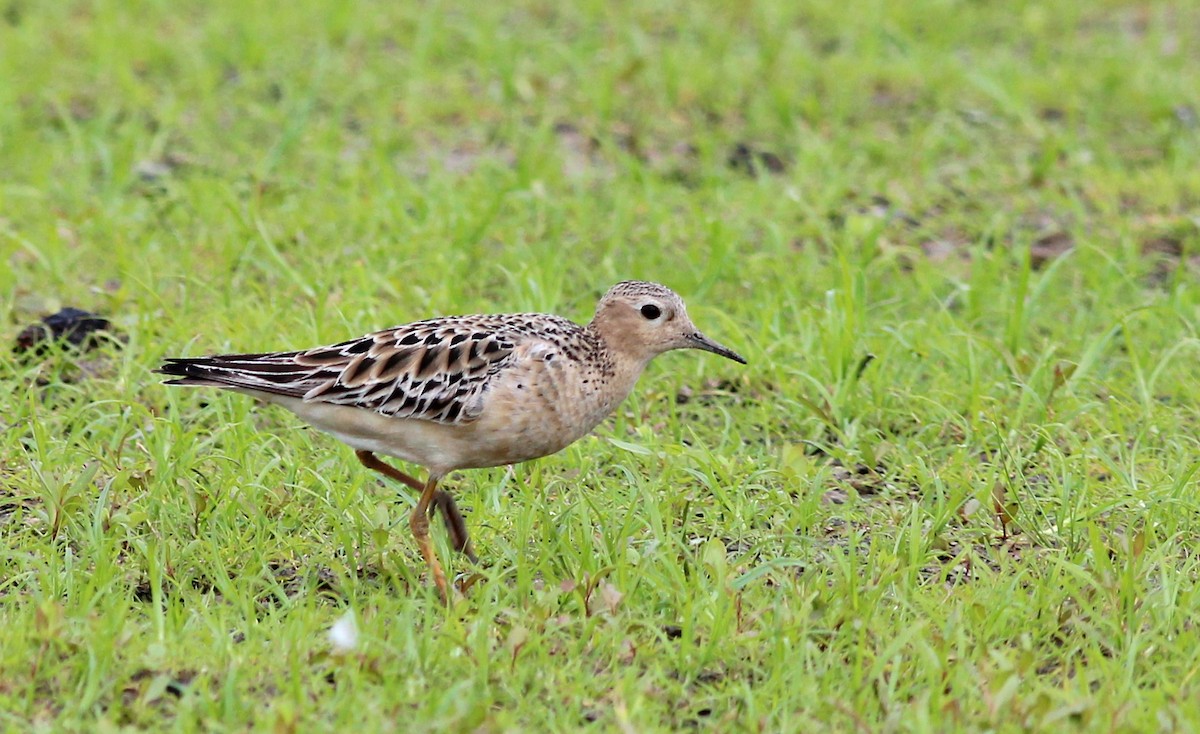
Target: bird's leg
(456,526)
(419,519)
(419,522)
(371,461)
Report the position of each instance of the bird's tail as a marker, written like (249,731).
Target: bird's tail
(269,373)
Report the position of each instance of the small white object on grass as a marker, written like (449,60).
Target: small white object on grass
(343,635)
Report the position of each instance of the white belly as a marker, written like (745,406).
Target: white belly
(530,412)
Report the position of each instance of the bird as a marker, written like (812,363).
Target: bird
(464,392)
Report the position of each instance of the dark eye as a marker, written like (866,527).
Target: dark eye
(651,311)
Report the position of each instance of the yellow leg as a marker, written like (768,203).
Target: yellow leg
(419,522)
(456,526)
(430,498)
(371,461)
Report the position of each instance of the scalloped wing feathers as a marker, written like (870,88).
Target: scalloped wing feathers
(437,370)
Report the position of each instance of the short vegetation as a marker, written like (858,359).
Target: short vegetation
(955,488)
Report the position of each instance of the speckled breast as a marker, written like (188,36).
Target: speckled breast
(552,398)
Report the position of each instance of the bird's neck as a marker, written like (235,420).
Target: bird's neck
(624,360)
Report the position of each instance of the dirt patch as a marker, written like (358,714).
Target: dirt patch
(1050,247)
(754,161)
(15,503)
(864,480)
(1170,245)
(297,577)
(713,391)
(152,686)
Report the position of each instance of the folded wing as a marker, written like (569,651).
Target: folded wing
(435,370)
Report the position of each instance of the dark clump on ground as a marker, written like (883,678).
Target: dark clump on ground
(70,327)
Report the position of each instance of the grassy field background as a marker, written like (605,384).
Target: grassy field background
(954,489)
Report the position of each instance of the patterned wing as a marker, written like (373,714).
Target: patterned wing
(435,370)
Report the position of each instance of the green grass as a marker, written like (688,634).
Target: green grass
(991,525)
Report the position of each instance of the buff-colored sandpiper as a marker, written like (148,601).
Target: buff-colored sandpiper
(464,392)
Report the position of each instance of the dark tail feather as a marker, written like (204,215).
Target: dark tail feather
(198,371)
(244,371)
(194,381)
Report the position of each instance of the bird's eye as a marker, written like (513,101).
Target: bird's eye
(651,312)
